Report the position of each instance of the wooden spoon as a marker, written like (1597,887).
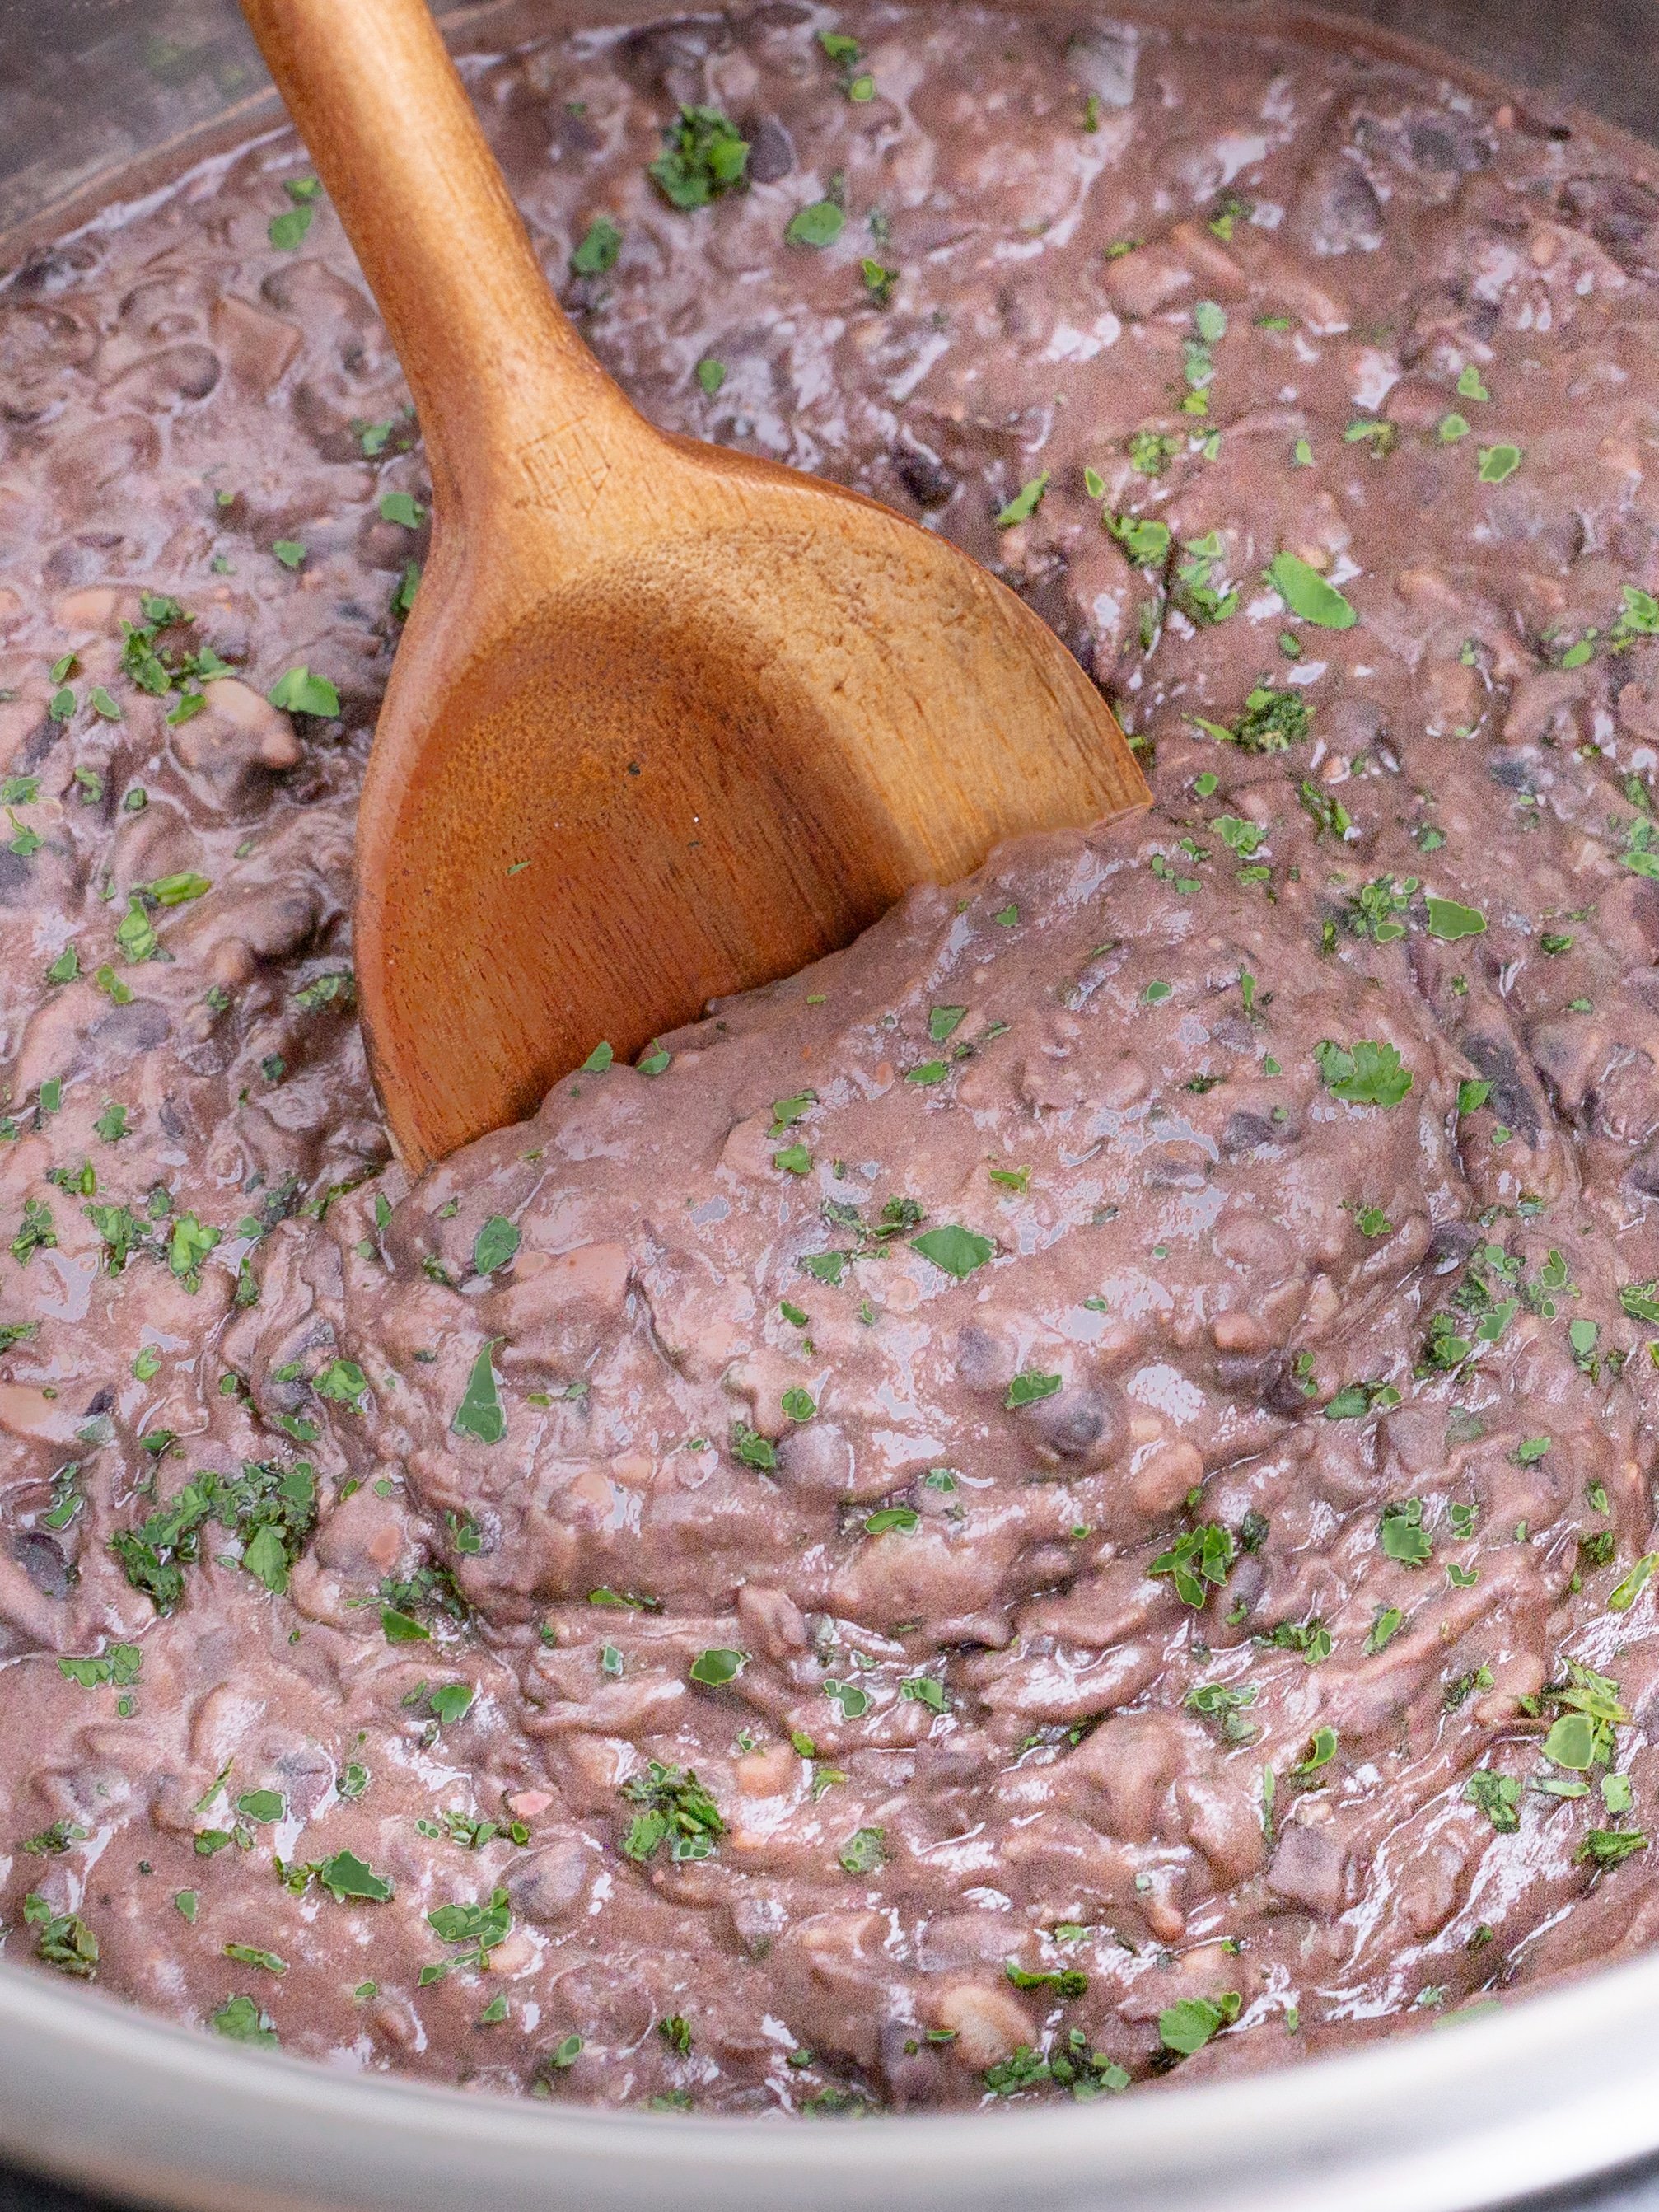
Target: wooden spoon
(666,722)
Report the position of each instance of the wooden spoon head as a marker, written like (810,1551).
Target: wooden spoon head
(672,769)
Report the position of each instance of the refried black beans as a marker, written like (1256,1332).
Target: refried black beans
(1065,1496)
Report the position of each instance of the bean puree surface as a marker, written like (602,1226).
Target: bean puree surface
(1063,1498)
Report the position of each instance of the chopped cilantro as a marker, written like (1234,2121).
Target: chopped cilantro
(479,1413)
(1610,1847)
(1306,593)
(676,1810)
(1024,503)
(600,244)
(703,155)
(240,2018)
(1403,1535)
(1145,541)
(1364,1075)
(269,1509)
(819,224)
(298,692)
(1198,1560)
(345,1877)
(62,1939)
(495,1244)
(864,1850)
(1189,2024)
(956,1250)
(1448,920)
(1499,1796)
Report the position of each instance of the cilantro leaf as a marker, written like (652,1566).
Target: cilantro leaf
(1621,1599)
(1498,463)
(864,1850)
(1199,1560)
(819,224)
(297,691)
(495,1245)
(1364,1075)
(958,1251)
(345,1875)
(479,1413)
(703,155)
(1499,1796)
(1403,1535)
(240,2018)
(1028,1388)
(676,1810)
(1189,2024)
(600,245)
(286,231)
(1145,540)
(1448,920)
(1306,593)
(1024,503)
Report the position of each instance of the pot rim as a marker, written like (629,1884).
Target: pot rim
(1487,2105)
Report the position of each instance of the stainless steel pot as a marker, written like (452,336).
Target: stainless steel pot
(96,96)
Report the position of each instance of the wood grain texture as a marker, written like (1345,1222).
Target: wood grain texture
(667,721)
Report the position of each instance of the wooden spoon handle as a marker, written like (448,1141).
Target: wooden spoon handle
(502,384)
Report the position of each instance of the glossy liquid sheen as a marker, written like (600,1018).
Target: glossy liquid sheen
(1063,1498)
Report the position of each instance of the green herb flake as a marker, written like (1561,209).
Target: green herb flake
(495,1244)
(240,2018)
(1028,1387)
(248,1954)
(1625,1596)
(348,1878)
(1199,1560)
(297,691)
(479,1413)
(703,156)
(1189,2024)
(864,1850)
(1448,920)
(1024,503)
(1402,1535)
(1366,1074)
(1306,593)
(288,230)
(600,244)
(956,1250)
(714,1669)
(676,1810)
(818,225)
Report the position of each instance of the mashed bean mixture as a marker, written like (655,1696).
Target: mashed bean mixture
(1065,1496)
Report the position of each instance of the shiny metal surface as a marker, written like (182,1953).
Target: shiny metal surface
(1481,2112)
